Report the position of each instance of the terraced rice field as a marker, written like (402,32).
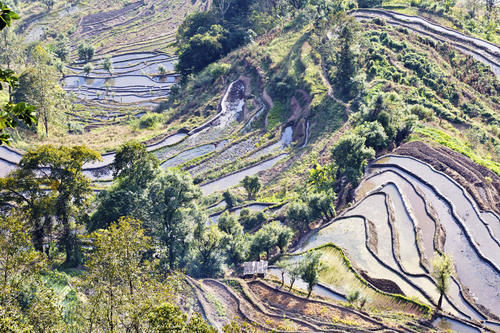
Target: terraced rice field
(208,143)
(405,212)
(135,79)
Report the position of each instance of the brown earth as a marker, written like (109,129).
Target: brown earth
(307,309)
(473,177)
(382,284)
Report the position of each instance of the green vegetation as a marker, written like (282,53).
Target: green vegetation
(11,114)
(114,261)
(442,269)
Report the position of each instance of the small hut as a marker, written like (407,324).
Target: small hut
(254,268)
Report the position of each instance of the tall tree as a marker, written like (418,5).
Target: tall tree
(134,169)
(39,86)
(208,251)
(19,262)
(442,269)
(269,237)
(311,267)
(321,205)
(30,200)
(60,170)
(351,155)
(251,185)
(120,285)
(347,66)
(173,213)
(299,216)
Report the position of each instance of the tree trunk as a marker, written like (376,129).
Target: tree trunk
(46,124)
(282,279)
(309,293)
(67,241)
(440,302)
(291,284)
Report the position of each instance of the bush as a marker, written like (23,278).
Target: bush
(251,220)
(85,52)
(149,121)
(212,72)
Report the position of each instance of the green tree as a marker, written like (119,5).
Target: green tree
(61,50)
(120,285)
(299,216)
(62,174)
(12,114)
(39,86)
(229,199)
(32,202)
(134,169)
(311,267)
(201,50)
(321,205)
(173,213)
(167,318)
(19,262)
(26,304)
(442,269)
(229,224)
(208,248)
(294,271)
(11,51)
(374,133)
(347,63)
(107,64)
(87,69)
(351,156)
(85,52)
(269,237)
(133,162)
(251,185)
(195,23)
(322,177)
(235,241)
(251,220)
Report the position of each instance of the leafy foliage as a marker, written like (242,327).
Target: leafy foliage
(351,156)
(12,114)
(251,185)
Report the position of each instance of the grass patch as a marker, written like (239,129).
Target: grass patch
(453,142)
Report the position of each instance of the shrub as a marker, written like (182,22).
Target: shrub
(149,121)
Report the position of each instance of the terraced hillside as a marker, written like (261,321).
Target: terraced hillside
(114,27)
(405,211)
(273,108)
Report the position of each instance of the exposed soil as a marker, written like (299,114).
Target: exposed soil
(463,170)
(382,284)
(308,309)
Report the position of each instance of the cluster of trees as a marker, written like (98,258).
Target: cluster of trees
(313,206)
(205,37)
(307,269)
(53,195)
(120,289)
(85,52)
(142,229)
